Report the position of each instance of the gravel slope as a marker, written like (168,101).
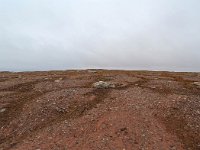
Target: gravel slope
(61,110)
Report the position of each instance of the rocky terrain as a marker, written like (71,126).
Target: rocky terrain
(99,110)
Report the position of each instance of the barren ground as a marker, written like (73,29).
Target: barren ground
(60,110)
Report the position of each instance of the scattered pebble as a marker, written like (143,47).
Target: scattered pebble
(197,83)
(58,80)
(2,110)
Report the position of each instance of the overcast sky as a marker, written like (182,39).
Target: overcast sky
(112,34)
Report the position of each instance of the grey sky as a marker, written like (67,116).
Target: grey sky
(112,34)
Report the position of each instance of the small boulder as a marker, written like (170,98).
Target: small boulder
(103,85)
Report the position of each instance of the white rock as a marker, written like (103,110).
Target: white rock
(2,110)
(57,81)
(103,85)
(197,83)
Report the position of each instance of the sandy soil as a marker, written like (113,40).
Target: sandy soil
(61,110)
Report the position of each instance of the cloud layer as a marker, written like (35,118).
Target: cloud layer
(113,34)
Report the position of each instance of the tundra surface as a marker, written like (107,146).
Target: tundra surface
(66,110)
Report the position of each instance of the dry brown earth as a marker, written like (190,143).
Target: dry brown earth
(61,110)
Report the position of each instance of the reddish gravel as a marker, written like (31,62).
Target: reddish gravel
(61,110)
